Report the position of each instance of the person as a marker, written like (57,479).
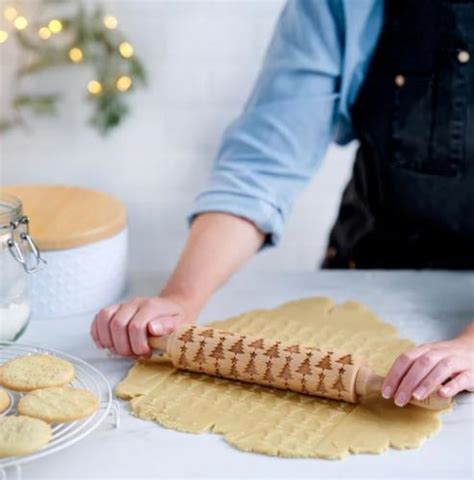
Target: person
(396,75)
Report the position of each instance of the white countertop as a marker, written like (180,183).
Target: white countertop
(424,306)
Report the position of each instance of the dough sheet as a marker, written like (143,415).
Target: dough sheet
(276,422)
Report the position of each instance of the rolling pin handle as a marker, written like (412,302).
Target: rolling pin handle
(160,343)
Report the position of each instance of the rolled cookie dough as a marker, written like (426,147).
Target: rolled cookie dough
(275,422)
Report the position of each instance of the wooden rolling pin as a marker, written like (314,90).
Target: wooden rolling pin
(272,363)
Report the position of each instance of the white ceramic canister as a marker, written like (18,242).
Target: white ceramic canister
(82,235)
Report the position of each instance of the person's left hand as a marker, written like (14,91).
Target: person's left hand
(423,370)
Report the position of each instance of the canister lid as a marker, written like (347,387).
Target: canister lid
(63,216)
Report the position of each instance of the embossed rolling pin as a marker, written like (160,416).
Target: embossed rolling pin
(272,363)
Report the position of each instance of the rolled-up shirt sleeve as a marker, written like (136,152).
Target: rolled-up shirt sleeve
(270,152)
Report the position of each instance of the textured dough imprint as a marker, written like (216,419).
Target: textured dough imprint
(276,422)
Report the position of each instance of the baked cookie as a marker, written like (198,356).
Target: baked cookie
(22,435)
(4,400)
(58,404)
(29,372)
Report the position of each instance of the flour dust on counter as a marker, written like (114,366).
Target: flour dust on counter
(282,423)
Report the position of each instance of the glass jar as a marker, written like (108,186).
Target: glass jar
(19,256)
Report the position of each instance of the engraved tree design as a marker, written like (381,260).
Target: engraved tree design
(187,336)
(258,344)
(238,347)
(325,362)
(251,369)
(218,353)
(339,385)
(321,388)
(273,351)
(345,360)
(292,349)
(209,333)
(182,361)
(305,367)
(268,376)
(200,358)
(285,373)
(233,368)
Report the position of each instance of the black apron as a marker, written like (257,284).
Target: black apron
(410,202)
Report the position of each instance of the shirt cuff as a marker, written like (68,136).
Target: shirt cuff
(267,218)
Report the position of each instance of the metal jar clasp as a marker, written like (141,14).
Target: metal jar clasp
(15,249)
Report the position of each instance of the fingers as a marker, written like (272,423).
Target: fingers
(144,321)
(401,365)
(101,322)
(415,378)
(444,369)
(119,329)
(94,334)
(460,382)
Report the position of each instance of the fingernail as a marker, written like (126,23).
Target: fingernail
(445,390)
(401,400)
(156,329)
(419,393)
(386,392)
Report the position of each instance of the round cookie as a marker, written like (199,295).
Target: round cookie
(4,400)
(29,372)
(22,435)
(58,404)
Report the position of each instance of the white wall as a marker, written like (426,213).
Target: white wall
(202,58)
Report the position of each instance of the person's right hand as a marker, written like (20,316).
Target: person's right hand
(124,329)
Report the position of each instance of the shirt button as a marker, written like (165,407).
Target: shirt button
(463,56)
(400,80)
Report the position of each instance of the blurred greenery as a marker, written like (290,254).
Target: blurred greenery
(84,29)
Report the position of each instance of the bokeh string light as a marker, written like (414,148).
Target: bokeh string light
(84,36)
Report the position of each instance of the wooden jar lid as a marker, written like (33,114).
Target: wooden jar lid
(64,216)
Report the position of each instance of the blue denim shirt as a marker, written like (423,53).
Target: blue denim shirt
(314,67)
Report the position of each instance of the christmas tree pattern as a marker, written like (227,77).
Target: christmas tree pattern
(305,367)
(187,336)
(257,344)
(321,387)
(325,362)
(268,376)
(209,333)
(182,361)
(285,373)
(200,358)
(251,368)
(273,351)
(303,385)
(292,349)
(345,360)
(237,347)
(218,354)
(233,368)
(339,384)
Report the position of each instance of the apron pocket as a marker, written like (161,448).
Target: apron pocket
(429,118)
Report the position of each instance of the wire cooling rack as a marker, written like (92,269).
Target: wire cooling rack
(64,434)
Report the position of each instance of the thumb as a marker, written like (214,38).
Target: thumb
(155,328)
(162,326)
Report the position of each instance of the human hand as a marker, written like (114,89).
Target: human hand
(124,328)
(422,370)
